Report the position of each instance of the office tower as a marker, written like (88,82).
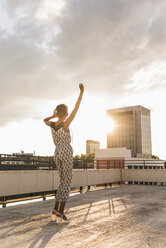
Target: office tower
(91,145)
(132,130)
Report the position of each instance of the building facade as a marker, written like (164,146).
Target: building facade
(91,146)
(132,130)
(118,158)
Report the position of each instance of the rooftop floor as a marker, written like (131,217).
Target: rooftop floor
(123,216)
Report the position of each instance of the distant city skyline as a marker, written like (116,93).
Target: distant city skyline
(116,48)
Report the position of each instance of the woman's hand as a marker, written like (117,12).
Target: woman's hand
(81,86)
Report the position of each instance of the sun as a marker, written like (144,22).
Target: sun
(109,125)
(105,125)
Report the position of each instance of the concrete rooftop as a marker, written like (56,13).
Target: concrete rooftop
(123,216)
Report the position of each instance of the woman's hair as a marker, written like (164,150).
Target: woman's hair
(62,110)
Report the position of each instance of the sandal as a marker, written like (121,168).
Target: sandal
(53,216)
(55,212)
(62,216)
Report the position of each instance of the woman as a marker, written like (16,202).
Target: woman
(63,152)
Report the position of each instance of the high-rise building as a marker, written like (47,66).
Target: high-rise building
(132,130)
(91,145)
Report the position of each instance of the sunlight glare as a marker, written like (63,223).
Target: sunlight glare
(109,124)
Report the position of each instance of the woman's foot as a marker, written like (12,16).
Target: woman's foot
(57,214)
(54,212)
(64,217)
(53,216)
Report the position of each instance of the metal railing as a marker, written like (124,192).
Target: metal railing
(26,162)
(29,162)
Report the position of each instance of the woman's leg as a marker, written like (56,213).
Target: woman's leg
(56,205)
(67,177)
(62,207)
(60,187)
(65,166)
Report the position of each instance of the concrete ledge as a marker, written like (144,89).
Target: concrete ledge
(22,182)
(144,175)
(103,176)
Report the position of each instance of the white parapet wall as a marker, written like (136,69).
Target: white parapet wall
(22,182)
(144,175)
(29,181)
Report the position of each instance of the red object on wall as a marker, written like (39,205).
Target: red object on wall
(110,164)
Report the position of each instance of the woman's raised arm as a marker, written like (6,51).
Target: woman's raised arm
(74,112)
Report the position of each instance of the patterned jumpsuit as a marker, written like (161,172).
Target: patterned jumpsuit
(64,159)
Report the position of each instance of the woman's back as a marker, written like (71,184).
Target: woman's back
(60,136)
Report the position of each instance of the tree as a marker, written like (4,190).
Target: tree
(155,157)
(84,157)
(91,156)
(76,157)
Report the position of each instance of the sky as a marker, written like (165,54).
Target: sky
(47,47)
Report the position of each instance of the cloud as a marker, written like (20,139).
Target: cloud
(48,47)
